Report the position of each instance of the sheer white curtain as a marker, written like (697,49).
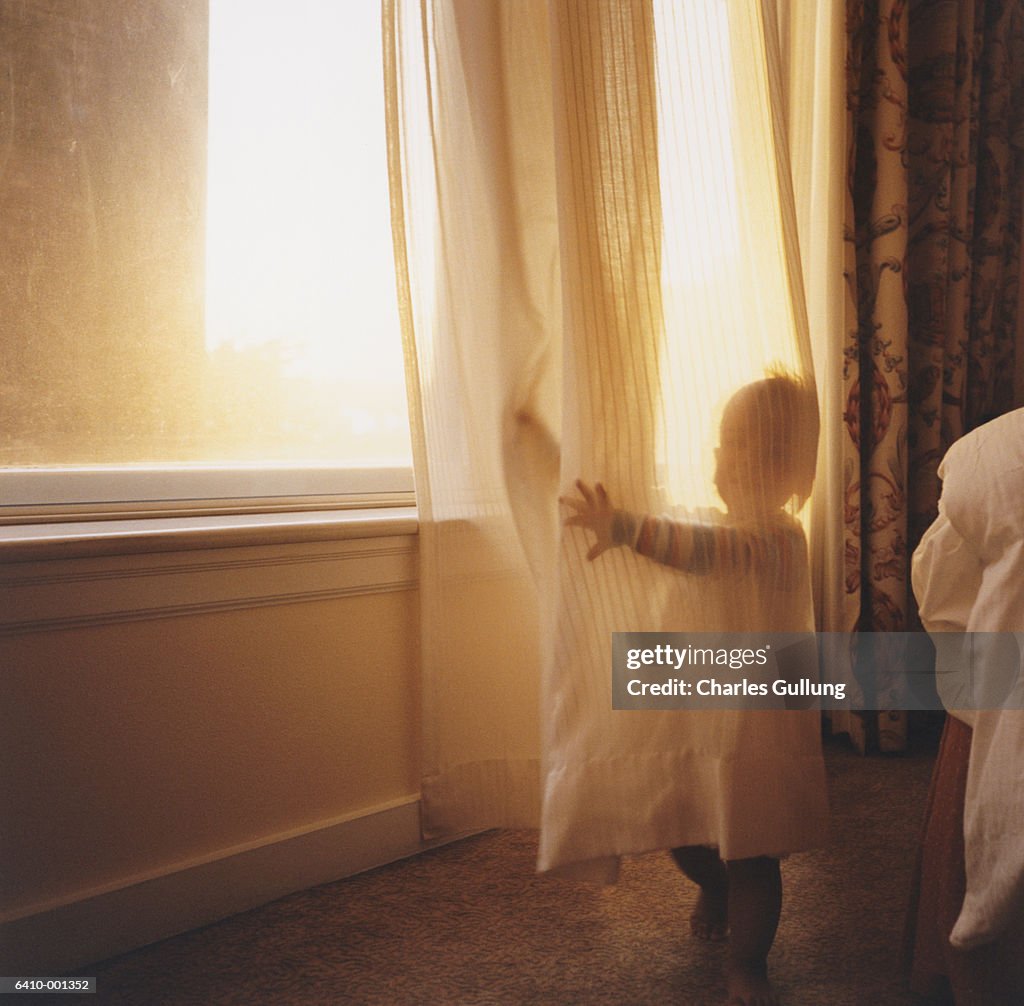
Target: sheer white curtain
(475,224)
(813,50)
(597,246)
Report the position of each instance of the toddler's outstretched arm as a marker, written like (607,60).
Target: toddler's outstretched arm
(690,547)
(661,539)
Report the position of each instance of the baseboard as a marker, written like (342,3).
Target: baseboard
(55,938)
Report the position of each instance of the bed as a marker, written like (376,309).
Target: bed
(968,575)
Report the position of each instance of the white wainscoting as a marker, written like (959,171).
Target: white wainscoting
(65,931)
(43,596)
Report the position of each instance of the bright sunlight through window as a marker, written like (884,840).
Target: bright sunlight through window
(301,316)
(712,161)
(198,271)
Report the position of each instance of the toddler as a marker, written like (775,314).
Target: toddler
(760,467)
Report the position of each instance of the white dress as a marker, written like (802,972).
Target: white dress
(748,782)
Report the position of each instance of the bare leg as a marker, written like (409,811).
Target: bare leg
(710,920)
(755,902)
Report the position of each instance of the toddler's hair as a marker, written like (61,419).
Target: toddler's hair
(781,415)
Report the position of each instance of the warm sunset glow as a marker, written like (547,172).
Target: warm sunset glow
(299,270)
(717,336)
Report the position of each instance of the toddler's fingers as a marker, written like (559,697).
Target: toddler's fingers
(594,552)
(602,494)
(578,505)
(585,491)
(576,520)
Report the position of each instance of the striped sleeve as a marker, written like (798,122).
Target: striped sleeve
(717,548)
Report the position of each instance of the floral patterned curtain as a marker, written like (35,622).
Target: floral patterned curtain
(935,100)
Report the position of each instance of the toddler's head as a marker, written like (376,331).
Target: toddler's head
(766,446)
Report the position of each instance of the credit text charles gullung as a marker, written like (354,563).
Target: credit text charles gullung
(684,658)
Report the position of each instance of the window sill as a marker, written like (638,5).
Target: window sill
(86,539)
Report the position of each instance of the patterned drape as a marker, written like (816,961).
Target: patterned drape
(935,101)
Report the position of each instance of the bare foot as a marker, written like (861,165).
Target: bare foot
(710,918)
(748,985)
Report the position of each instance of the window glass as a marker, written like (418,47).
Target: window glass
(196,242)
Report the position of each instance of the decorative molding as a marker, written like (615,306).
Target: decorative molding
(53,493)
(139,535)
(88,926)
(104,590)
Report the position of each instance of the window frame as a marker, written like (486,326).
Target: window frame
(37,494)
(97,493)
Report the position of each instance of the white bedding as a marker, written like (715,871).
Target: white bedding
(968,574)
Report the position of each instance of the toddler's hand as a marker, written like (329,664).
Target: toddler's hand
(594,513)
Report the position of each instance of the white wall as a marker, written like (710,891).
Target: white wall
(186,734)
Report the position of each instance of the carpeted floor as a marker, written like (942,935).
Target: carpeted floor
(472,924)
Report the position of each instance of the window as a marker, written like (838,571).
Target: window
(199,293)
